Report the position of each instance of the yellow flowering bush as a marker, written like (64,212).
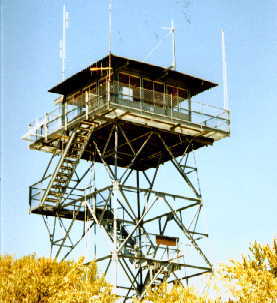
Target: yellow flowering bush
(42,280)
(253,279)
(175,294)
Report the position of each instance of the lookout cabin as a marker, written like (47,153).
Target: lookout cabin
(138,94)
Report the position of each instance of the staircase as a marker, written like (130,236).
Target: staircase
(63,173)
(159,277)
(121,234)
(158,273)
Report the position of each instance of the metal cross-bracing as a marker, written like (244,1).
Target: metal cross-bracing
(135,201)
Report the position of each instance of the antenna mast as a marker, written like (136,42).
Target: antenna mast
(110,26)
(63,41)
(224,72)
(110,49)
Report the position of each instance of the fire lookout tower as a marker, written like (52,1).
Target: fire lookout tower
(117,125)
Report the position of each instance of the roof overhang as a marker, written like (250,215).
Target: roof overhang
(152,72)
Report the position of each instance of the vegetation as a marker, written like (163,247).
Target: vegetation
(44,280)
(252,279)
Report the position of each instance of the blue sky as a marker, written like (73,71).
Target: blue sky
(238,175)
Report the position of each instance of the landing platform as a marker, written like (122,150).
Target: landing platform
(51,211)
(178,133)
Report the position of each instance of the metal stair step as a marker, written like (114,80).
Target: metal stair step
(69,161)
(57,194)
(84,128)
(52,200)
(62,180)
(59,181)
(67,167)
(86,122)
(57,186)
(63,175)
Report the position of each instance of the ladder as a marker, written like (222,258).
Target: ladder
(66,166)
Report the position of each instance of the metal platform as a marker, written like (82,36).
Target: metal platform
(136,125)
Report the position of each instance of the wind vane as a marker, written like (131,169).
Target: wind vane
(172,31)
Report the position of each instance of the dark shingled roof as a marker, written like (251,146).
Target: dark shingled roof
(153,72)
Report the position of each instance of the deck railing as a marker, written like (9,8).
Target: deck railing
(36,191)
(140,100)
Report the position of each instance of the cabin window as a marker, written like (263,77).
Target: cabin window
(129,87)
(126,93)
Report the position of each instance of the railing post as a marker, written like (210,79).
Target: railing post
(86,100)
(171,107)
(153,96)
(178,100)
(46,126)
(108,91)
(65,116)
(63,112)
(30,197)
(140,91)
(97,94)
(164,99)
(189,102)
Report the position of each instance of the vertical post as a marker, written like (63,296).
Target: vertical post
(97,94)
(65,115)
(115,149)
(189,109)
(109,86)
(139,229)
(86,100)
(63,112)
(178,99)
(30,198)
(93,198)
(140,91)
(46,126)
(153,95)
(114,204)
(171,107)
(164,98)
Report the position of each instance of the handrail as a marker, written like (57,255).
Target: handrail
(41,180)
(190,109)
